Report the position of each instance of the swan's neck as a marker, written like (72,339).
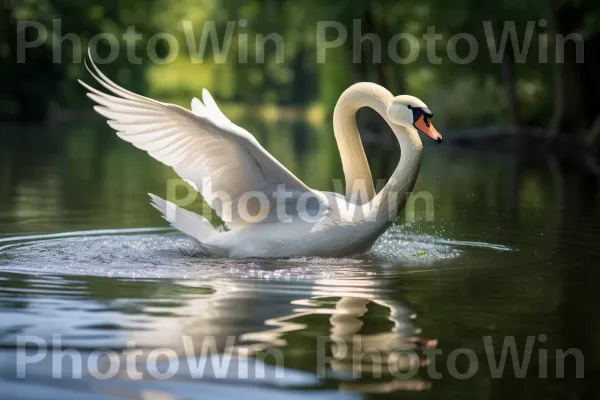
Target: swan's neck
(392,198)
(359,182)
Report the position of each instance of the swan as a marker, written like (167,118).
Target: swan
(268,212)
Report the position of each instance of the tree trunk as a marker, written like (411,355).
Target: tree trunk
(384,72)
(569,115)
(510,86)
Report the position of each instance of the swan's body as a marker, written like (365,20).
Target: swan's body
(268,211)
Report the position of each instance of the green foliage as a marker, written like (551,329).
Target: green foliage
(482,86)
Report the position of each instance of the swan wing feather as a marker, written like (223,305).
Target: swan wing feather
(221,160)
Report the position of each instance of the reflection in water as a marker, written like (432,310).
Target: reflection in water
(512,253)
(159,315)
(213,311)
(347,351)
(359,361)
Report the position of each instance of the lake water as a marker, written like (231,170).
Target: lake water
(509,258)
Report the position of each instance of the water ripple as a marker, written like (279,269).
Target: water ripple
(160,253)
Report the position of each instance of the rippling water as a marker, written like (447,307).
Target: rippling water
(86,264)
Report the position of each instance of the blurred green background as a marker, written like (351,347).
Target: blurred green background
(519,167)
(559,98)
(540,115)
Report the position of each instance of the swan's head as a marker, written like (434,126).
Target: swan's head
(409,111)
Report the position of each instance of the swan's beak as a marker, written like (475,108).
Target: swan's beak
(424,125)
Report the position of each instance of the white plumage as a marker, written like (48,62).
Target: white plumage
(228,166)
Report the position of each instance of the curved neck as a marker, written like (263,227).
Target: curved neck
(390,200)
(384,206)
(359,181)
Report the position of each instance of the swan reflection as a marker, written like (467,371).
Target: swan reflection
(355,349)
(353,334)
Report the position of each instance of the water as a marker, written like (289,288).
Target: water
(87,264)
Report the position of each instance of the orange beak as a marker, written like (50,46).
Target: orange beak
(424,125)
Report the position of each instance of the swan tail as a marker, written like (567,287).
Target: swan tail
(193,225)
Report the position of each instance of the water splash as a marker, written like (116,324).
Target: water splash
(156,253)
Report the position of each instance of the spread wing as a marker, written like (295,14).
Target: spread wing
(222,161)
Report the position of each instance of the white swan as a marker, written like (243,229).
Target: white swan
(268,211)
